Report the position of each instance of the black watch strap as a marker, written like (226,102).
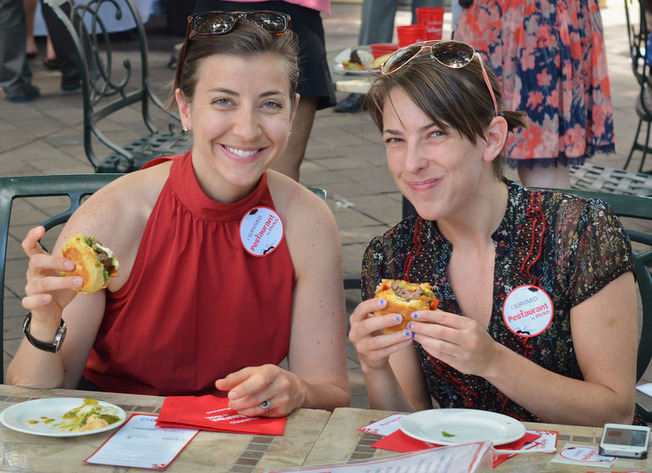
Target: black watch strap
(49,347)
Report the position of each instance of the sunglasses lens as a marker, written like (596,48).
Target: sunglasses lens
(452,54)
(213,23)
(269,21)
(400,58)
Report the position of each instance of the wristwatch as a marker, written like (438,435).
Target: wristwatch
(49,347)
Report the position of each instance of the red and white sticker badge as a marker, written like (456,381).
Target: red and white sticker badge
(261,231)
(528,311)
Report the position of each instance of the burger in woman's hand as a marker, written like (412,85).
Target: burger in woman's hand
(93,262)
(404,298)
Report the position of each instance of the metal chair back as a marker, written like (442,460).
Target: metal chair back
(115,81)
(638,34)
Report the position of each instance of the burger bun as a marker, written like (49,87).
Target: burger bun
(405,307)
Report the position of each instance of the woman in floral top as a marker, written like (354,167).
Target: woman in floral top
(537,318)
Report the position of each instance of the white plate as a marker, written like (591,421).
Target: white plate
(17,417)
(340,68)
(457,426)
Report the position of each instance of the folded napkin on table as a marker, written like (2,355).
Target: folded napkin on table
(212,412)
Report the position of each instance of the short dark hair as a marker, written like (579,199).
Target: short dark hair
(245,40)
(452,98)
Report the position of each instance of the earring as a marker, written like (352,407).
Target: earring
(289,133)
(184,129)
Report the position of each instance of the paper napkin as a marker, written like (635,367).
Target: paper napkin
(210,412)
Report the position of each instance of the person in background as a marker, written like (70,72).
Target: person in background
(15,74)
(50,59)
(316,87)
(550,58)
(204,300)
(537,316)
(377,26)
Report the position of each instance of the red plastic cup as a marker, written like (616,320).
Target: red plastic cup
(380,49)
(433,19)
(410,34)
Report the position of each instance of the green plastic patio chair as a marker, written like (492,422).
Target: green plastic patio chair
(73,186)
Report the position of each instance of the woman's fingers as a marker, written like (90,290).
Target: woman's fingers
(264,390)
(30,244)
(456,340)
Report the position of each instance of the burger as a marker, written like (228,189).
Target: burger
(358,60)
(93,262)
(404,298)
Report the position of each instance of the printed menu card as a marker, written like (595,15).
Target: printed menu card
(139,443)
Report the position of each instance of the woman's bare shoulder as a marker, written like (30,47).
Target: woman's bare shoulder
(122,206)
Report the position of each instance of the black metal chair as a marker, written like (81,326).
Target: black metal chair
(636,212)
(636,12)
(75,187)
(113,81)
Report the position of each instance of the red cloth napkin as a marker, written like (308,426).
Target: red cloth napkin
(403,443)
(211,412)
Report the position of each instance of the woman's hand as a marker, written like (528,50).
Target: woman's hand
(266,390)
(46,292)
(458,341)
(373,346)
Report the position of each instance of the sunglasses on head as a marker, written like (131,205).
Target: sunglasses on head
(452,54)
(219,22)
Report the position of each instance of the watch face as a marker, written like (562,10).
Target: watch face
(59,337)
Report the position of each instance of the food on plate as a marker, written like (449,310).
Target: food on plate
(379,61)
(93,262)
(404,298)
(354,63)
(89,416)
(354,59)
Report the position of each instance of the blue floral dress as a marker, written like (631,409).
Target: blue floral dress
(568,246)
(550,58)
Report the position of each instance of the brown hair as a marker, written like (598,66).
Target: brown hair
(245,40)
(452,98)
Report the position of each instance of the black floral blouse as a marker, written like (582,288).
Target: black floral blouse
(568,246)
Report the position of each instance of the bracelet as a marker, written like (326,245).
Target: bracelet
(53,347)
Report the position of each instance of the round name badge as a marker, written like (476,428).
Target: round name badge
(261,231)
(527,311)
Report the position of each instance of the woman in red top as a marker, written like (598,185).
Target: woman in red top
(218,280)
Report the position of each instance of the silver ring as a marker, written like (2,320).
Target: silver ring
(265,405)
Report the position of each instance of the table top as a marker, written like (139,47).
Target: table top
(341,442)
(312,437)
(208,451)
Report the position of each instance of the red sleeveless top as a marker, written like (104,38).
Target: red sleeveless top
(197,306)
